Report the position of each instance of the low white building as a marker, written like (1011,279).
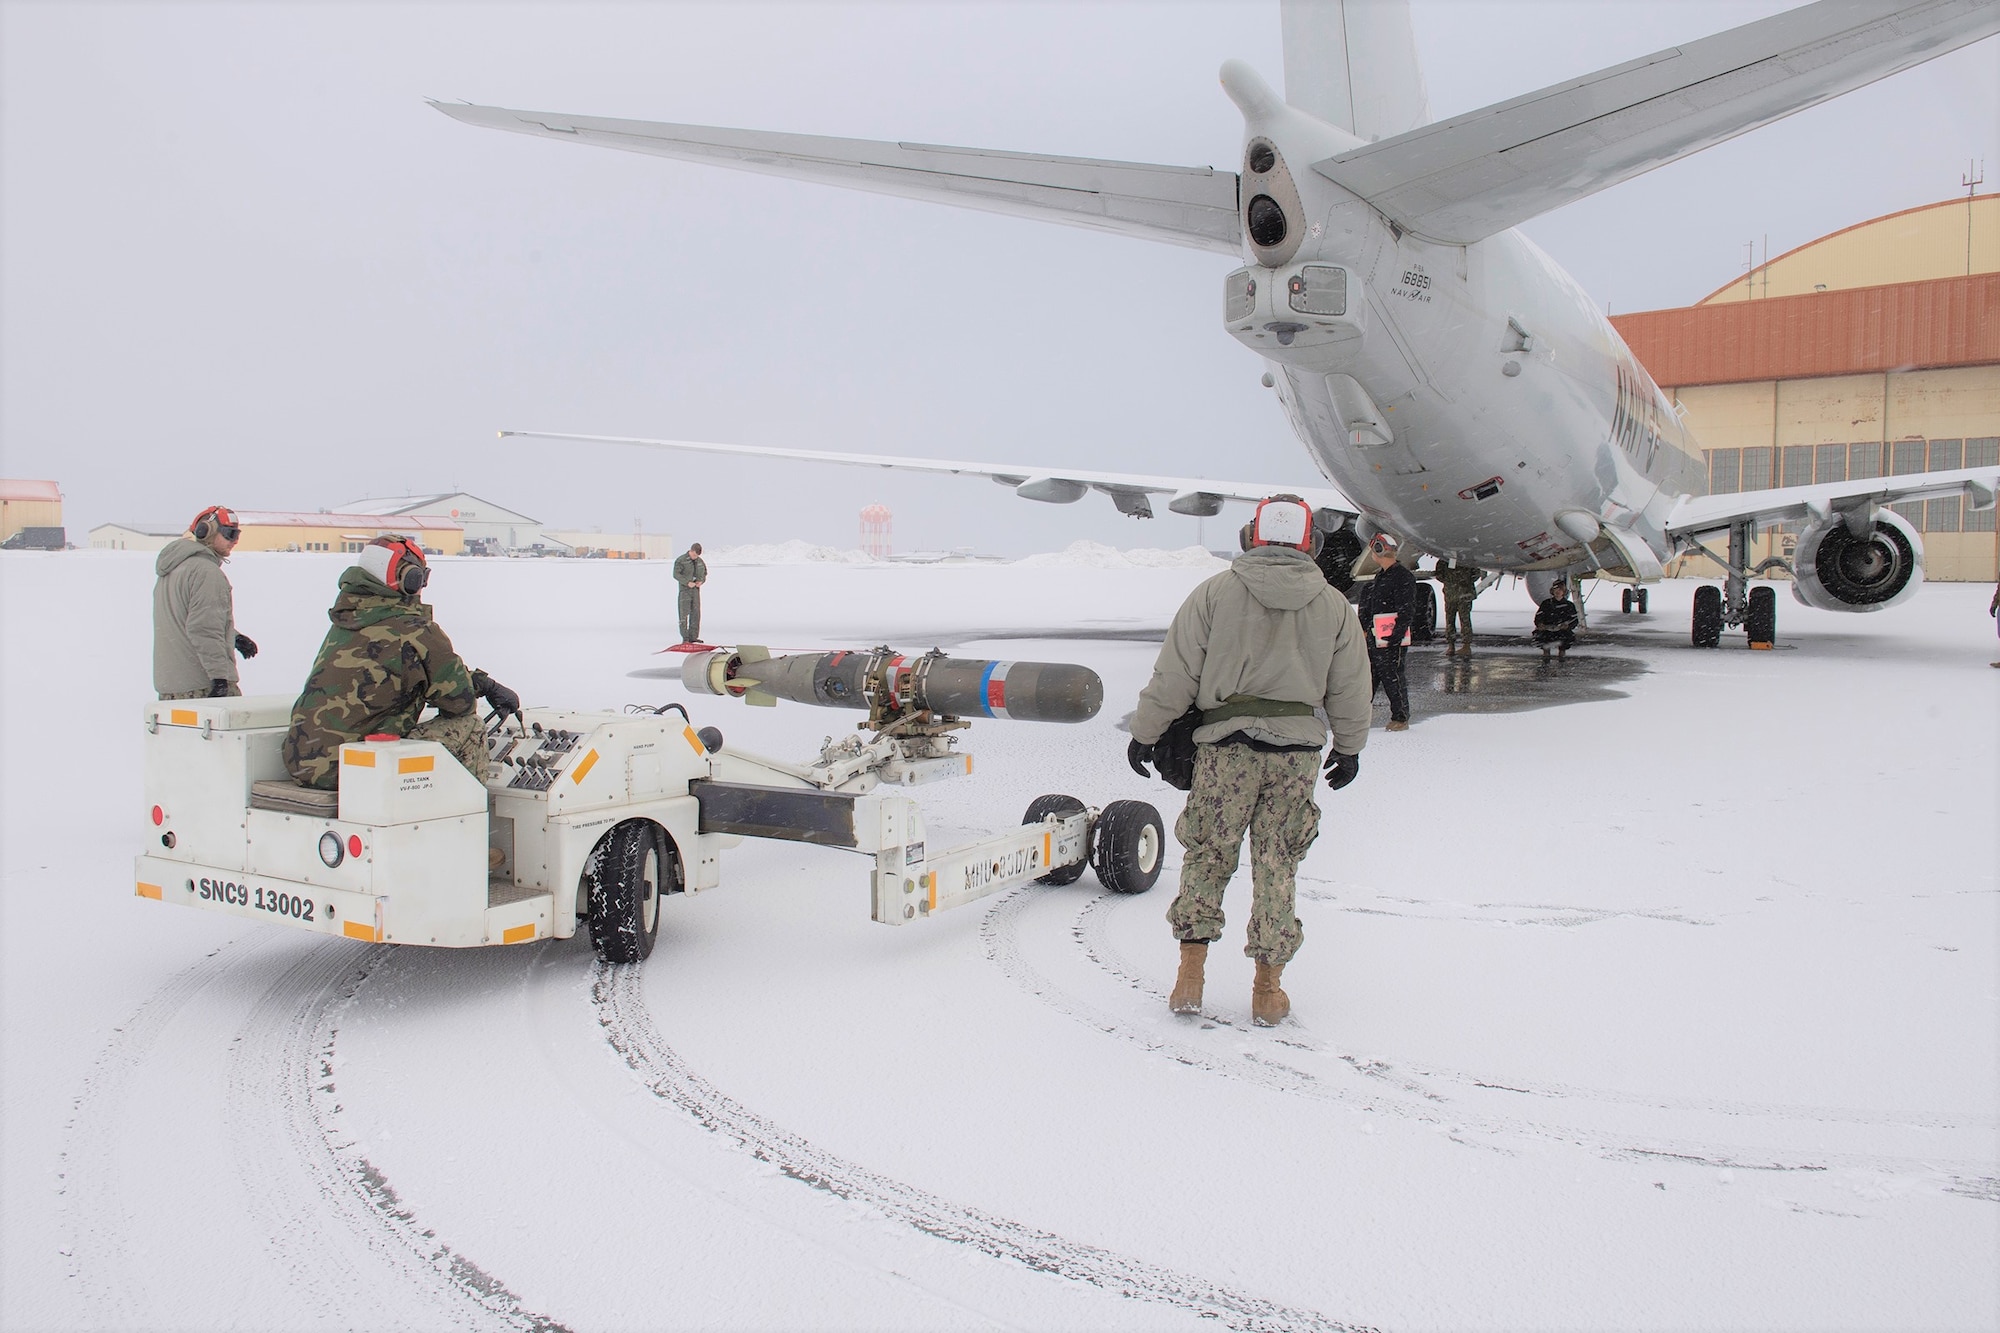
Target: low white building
(132,536)
(484,522)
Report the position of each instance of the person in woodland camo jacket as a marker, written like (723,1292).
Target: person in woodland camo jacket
(383,662)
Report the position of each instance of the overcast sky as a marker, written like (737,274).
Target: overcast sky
(243,262)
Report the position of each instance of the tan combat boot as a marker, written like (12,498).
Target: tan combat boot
(1186,998)
(1268,1004)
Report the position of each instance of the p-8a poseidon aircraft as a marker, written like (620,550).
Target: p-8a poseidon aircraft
(1454,384)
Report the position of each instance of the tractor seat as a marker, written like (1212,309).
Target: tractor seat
(290,798)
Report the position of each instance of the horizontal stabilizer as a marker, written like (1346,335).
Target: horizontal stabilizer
(1131,492)
(1468,177)
(1707,513)
(1189,206)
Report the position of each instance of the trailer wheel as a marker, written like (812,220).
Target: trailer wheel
(1760,618)
(1423,614)
(1707,616)
(626,876)
(1041,808)
(1130,847)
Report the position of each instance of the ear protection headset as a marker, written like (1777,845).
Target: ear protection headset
(212,520)
(398,562)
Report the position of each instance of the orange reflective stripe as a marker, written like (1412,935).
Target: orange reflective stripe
(150,891)
(589,762)
(515,934)
(416,763)
(358,758)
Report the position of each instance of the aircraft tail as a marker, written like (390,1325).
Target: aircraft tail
(1353,63)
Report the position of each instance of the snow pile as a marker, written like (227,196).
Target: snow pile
(794,552)
(1096,555)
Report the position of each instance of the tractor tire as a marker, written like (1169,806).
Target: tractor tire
(627,875)
(1707,616)
(1423,614)
(1129,847)
(1041,808)
(1760,619)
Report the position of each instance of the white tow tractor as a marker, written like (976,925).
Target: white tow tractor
(583,817)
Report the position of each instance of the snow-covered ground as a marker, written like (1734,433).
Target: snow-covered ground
(1672,1004)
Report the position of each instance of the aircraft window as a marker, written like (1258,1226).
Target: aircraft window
(1798,465)
(1946,455)
(1757,468)
(1725,471)
(1318,289)
(1239,296)
(1832,463)
(1267,221)
(1909,457)
(1262,158)
(1864,460)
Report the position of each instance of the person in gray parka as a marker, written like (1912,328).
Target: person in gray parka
(194,612)
(1275,660)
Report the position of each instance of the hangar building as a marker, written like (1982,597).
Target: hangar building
(482,521)
(283,530)
(29,504)
(1874,351)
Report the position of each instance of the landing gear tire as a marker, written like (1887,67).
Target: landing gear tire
(1423,615)
(1707,616)
(1760,619)
(624,879)
(1041,808)
(1644,597)
(1129,848)
(1337,556)
(1625,602)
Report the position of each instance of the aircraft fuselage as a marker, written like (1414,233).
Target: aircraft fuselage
(1471,398)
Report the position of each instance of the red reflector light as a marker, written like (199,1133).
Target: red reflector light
(381,736)
(159,816)
(354,844)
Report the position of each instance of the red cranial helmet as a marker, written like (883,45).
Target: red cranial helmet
(1283,520)
(212,520)
(398,562)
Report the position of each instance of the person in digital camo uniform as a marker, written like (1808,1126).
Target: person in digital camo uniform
(382,664)
(1276,661)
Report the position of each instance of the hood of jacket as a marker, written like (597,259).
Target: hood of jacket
(181,550)
(366,600)
(1279,577)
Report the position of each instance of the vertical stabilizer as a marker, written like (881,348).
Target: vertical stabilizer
(1353,63)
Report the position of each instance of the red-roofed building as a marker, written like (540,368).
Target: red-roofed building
(1874,351)
(28,504)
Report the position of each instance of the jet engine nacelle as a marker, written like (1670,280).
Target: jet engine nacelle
(1834,570)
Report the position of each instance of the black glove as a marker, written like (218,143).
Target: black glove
(1341,769)
(245,646)
(218,688)
(504,700)
(1139,754)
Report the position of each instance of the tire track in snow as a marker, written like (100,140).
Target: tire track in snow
(331,1218)
(96,1228)
(628,1025)
(1002,924)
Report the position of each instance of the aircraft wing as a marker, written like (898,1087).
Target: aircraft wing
(1189,206)
(1463,179)
(1131,492)
(1707,513)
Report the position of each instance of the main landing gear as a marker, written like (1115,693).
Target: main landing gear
(1736,602)
(1634,599)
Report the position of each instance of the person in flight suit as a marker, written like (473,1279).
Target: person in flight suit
(691,571)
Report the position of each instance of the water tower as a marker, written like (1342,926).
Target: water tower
(875,531)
